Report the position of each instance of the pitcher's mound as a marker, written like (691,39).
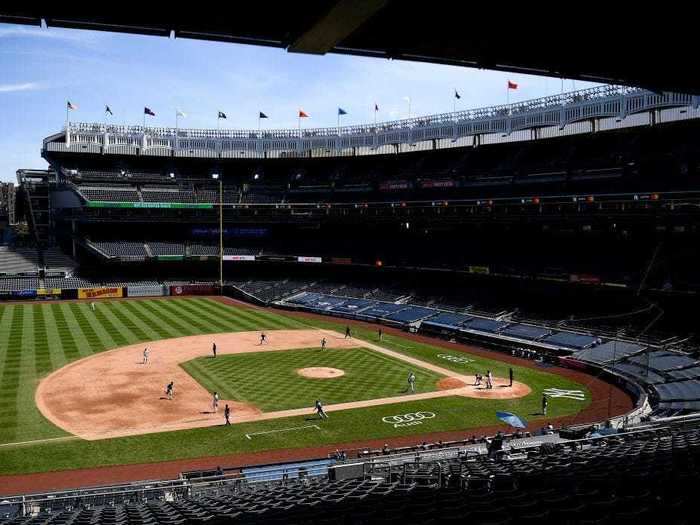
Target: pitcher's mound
(320,372)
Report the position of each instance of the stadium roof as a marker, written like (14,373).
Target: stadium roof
(611,42)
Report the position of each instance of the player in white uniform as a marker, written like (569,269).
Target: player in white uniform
(146,351)
(215,401)
(412,382)
(92,305)
(323,343)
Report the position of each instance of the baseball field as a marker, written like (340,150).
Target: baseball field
(74,392)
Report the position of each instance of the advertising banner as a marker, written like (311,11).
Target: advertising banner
(167,205)
(142,290)
(584,279)
(194,289)
(24,293)
(239,257)
(48,291)
(483,270)
(309,259)
(98,293)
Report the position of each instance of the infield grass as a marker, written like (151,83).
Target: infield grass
(368,375)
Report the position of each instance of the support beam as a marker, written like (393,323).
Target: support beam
(344,18)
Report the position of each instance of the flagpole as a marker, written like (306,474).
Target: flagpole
(258,123)
(375,116)
(454,102)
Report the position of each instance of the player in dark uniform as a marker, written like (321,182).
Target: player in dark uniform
(213,349)
(545,402)
(263,337)
(169,390)
(510,374)
(347,332)
(319,409)
(227,415)
(323,343)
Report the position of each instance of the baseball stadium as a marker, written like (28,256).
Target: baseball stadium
(485,315)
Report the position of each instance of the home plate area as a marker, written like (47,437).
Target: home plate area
(281,377)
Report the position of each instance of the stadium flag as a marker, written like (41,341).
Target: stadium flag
(178,113)
(108,110)
(341,111)
(457,95)
(454,101)
(509,86)
(69,107)
(376,108)
(219,116)
(261,115)
(302,114)
(147,111)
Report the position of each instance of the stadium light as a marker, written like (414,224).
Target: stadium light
(215,176)
(256,176)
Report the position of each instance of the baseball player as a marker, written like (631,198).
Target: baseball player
(510,374)
(213,349)
(477,379)
(263,337)
(545,402)
(381,334)
(227,414)
(146,352)
(319,410)
(215,402)
(323,343)
(489,379)
(169,390)
(347,332)
(92,306)
(412,382)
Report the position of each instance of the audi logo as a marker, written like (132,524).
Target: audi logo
(455,359)
(404,420)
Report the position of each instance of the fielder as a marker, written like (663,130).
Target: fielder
(227,415)
(319,410)
(489,379)
(215,402)
(411,382)
(347,332)
(323,343)
(263,338)
(146,352)
(92,306)
(170,390)
(213,349)
(545,402)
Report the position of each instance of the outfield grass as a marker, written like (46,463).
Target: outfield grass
(368,375)
(36,339)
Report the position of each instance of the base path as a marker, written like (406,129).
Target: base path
(113,394)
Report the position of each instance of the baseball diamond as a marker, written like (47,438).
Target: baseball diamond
(67,371)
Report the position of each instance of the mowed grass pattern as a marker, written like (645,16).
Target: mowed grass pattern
(269,380)
(36,339)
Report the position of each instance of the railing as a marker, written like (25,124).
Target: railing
(552,111)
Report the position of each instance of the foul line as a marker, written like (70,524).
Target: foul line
(282,430)
(33,441)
